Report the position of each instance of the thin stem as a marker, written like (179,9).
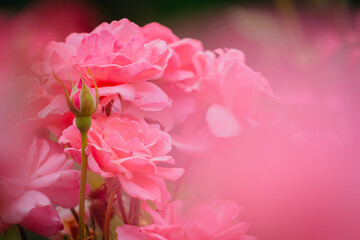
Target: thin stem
(74,213)
(93,226)
(108,214)
(22,232)
(135,212)
(131,210)
(121,207)
(82,185)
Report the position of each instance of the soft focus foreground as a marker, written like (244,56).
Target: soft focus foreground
(240,124)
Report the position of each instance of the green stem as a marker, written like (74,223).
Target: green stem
(82,185)
(108,214)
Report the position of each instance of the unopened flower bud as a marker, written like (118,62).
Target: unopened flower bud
(82,100)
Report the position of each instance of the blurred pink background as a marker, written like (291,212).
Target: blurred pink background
(298,177)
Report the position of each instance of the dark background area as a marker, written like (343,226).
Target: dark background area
(144,11)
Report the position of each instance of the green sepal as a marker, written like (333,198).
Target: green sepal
(87,102)
(71,106)
(96,90)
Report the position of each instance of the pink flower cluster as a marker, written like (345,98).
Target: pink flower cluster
(156,91)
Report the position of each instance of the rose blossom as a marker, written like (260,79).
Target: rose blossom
(128,149)
(223,97)
(119,58)
(234,92)
(180,67)
(45,178)
(215,219)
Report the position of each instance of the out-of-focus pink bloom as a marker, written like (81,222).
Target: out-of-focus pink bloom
(215,219)
(129,149)
(234,91)
(223,97)
(45,178)
(119,58)
(42,110)
(308,154)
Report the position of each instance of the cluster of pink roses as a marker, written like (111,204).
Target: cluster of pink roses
(155,91)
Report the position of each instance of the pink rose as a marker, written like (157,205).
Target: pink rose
(119,58)
(45,178)
(180,67)
(234,95)
(240,92)
(215,219)
(128,149)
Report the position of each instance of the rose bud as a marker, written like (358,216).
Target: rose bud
(82,102)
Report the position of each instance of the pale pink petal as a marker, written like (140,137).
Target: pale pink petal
(126,91)
(74,153)
(222,122)
(58,54)
(56,106)
(130,49)
(99,159)
(155,30)
(241,87)
(71,135)
(96,45)
(161,145)
(172,174)
(54,162)
(150,97)
(167,159)
(141,187)
(139,166)
(186,48)
(20,208)
(157,53)
(115,74)
(125,30)
(65,190)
